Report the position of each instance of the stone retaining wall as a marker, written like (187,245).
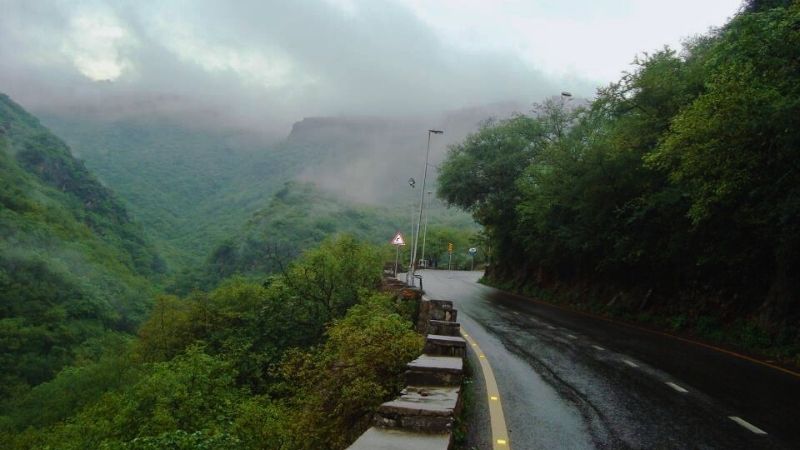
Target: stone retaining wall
(422,416)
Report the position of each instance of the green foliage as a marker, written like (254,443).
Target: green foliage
(189,185)
(78,385)
(479,175)
(195,185)
(339,385)
(72,264)
(260,321)
(194,391)
(299,217)
(438,239)
(302,358)
(682,178)
(734,150)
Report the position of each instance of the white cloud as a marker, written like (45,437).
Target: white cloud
(278,61)
(592,39)
(95,44)
(347,7)
(265,67)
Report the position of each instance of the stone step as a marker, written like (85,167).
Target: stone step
(447,315)
(440,304)
(444,328)
(431,370)
(393,439)
(445,345)
(430,409)
(432,309)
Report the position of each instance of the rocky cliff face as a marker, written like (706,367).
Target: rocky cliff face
(370,159)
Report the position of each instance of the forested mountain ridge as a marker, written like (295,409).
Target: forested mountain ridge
(193,183)
(190,185)
(301,216)
(89,360)
(73,266)
(672,198)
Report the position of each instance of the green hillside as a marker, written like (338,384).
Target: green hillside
(238,366)
(189,185)
(300,216)
(214,199)
(73,266)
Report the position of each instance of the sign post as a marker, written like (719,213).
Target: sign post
(450,255)
(472,252)
(397,241)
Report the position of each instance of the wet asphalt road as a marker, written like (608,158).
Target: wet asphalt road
(571,381)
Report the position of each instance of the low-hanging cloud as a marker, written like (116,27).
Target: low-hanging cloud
(262,63)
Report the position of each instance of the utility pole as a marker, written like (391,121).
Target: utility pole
(421,205)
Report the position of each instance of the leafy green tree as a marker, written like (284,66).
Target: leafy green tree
(359,367)
(479,175)
(194,392)
(734,153)
(680,180)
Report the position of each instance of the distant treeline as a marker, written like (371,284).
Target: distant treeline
(681,181)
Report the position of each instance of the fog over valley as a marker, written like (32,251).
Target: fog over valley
(367,224)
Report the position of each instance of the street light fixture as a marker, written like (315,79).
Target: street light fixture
(565,96)
(421,205)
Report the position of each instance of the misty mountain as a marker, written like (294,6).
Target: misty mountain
(370,159)
(194,184)
(73,265)
(298,217)
(189,184)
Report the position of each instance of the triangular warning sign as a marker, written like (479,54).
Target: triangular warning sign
(398,240)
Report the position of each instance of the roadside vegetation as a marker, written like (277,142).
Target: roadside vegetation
(672,198)
(297,361)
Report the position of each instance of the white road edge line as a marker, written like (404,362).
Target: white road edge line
(630,363)
(572,336)
(676,387)
(747,425)
(598,347)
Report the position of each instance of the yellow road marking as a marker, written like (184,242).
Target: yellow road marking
(496,417)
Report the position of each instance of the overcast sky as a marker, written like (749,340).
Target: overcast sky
(284,60)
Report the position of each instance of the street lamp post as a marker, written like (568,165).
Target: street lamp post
(425,230)
(421,205)
(565,96)
(409,279)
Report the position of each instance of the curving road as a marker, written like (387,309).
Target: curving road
(567,380)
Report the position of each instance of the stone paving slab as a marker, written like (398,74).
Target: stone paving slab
(444,327)
(428,370)
(445,345)
(424,400)
(447,340)
(431,363)
(391,439)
